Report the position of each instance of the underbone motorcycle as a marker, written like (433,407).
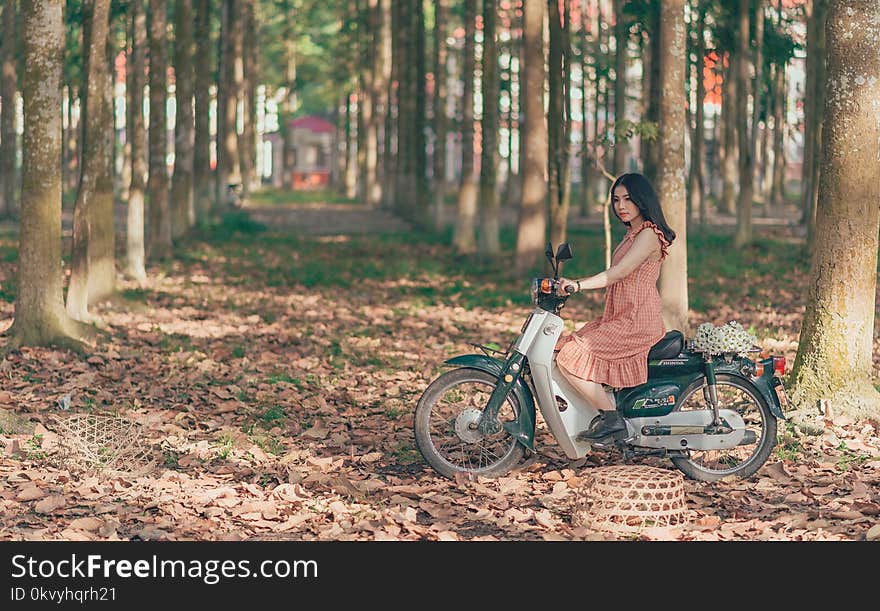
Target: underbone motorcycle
(712,415)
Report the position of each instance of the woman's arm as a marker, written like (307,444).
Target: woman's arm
(645,245)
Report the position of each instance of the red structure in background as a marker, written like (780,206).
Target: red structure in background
(311,141)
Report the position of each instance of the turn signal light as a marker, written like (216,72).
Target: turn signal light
(759,369)
(546,286)
(779,365)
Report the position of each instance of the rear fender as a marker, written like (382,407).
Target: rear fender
(523,429)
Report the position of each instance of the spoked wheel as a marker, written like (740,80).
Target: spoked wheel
(446,422)
(744,460)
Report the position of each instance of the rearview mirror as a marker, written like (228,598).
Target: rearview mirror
(564,252)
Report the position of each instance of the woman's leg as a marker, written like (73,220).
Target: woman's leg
(593,391)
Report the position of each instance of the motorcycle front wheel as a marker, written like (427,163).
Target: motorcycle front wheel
(740,395)
(446,420)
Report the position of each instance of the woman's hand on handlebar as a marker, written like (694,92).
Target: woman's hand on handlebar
(567,287)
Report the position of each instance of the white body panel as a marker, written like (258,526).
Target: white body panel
(537,343)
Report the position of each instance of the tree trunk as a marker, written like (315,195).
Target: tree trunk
(671,172)
(182,206)
(8,136)
(743,235)
(621,38)
(364,103)
(813,123)
(248,98)
(697,191)
(134,266)
(159,223)
(586,200)
(757,89)
(202,184)
(489,243)
(95,187)
(532,224)
(350,180)
(377,89)
(834,359)
(290,100)
(40,318)
(422,213)
(464,238)
(777,190)
(650,150)
(559,125)
(729,147)
(385,91)
(438,188)
(231,74)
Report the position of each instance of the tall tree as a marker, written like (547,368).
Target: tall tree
(202,185)
(94,197)
(834,358)
(489,243)
(134,259)
(777,189)
(743,235)
(649,147)
(532,224)
(375,85)
(40,318)
(159,217)
(182,202)
(248,100)
(464,238)
(621,41)
(814,95)
(559,122)
(8,147)
(438,187)
(231,75)
(729,143)
(671,172)
(697,190)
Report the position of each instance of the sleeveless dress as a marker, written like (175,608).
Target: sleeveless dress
(613,349)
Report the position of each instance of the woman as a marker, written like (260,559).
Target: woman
(613,350)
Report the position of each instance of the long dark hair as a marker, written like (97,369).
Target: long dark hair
(643,196)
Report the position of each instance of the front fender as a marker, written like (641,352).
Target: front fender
(523,430)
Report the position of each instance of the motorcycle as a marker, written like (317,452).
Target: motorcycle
(712,415)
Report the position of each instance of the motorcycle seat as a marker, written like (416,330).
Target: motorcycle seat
(668,347)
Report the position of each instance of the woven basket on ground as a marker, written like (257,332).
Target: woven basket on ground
(95,444)
(629,498)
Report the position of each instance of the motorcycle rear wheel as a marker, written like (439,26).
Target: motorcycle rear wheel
(445,426)
(742,461)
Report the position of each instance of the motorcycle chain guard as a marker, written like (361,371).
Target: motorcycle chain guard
(695,419)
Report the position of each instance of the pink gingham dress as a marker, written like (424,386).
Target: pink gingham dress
(613,349)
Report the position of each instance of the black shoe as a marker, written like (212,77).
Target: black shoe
(605,424)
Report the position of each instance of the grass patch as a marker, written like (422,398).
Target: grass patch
(281,197)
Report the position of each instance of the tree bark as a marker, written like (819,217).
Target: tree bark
(834,358)
(250,77)
(94,196)
(813,121)
(202,184)
(159,223)
(650,150)
(134,266)
(8,148)
(777,190)
(231,74)
(559,125)
(40,318)
(464,238)
(438,188)
(671,172)
(377,89)
(182,203)
(729,146)
(489,241)
(743,236)
(621,39)
(697,191)
(532,223)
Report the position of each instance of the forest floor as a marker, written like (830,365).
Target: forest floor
(272,375)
